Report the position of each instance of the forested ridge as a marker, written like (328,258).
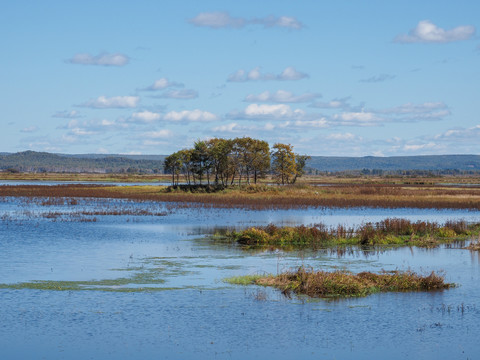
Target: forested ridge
(32,161)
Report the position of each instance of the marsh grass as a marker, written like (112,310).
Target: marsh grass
(265,197)
(390,231)
(335,284)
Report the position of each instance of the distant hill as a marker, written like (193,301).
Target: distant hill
(47,162)
(424,162)
(31,161)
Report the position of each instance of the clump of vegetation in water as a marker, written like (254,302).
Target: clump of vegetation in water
(324,284)
(390,231)
(474,245)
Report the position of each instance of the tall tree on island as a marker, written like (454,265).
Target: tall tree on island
(300,163)
(283,163)
(173,163)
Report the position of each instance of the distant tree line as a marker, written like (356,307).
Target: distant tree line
(232,161)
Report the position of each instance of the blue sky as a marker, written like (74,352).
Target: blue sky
(336,78)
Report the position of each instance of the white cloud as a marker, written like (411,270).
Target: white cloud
(269,126)
(183,94)
(217,20)
(339,103)
(162,83)
(236,128)
(77,127)
(81,132)
(318,123)
(271,111)
(221,19)
(365,117)
(458,135)
(284,21)
(288,74)
(416,147)
(29,129)
(104,59)
(74,114)
(291,74)
(281,96)
(190,116)
(342,136)
(160,134)
(232,127)
(146,116)
(119,102)
(427,32)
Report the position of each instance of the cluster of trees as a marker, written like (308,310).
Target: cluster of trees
(227,161)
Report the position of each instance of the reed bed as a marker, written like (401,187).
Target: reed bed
(335,284)
(390,231)
(267,197)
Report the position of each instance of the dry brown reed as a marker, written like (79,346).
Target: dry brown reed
(325,284)
(344,196)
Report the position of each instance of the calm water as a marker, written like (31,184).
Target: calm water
(192,314)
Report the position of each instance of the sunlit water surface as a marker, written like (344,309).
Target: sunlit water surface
(192,314)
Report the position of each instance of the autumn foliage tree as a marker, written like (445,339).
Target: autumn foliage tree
(283,163)
(228,161)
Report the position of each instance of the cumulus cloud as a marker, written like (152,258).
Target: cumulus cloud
(289,73)
(184,94)
(74,114)
(145,117)
(427,32)
(103,59)
(281,96)
(115,102)
(190,116)
(162,84)
(378,78)
(222,19)
(264,111)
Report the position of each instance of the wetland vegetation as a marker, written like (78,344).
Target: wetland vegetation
(390,231)
(335,284)
(262,196)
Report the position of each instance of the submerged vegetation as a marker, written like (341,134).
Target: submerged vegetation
(324,284)
(390,231)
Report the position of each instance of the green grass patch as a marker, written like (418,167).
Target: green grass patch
(243,280)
